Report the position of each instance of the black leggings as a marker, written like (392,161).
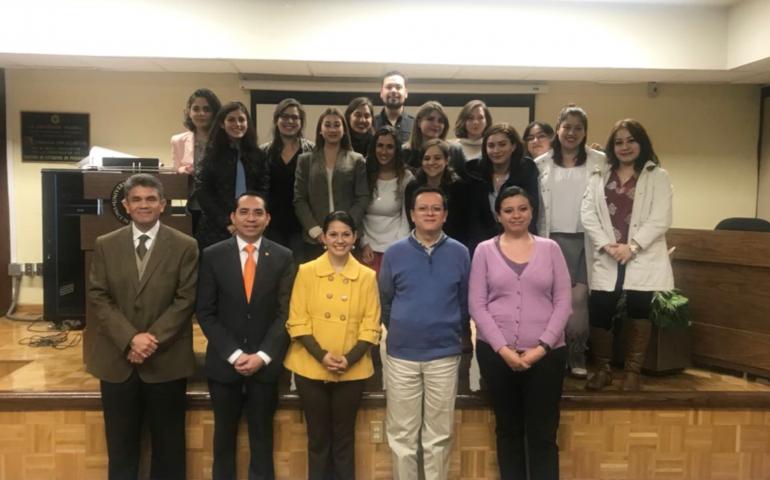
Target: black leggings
(602,306)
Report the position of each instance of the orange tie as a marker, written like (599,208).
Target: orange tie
(249,270)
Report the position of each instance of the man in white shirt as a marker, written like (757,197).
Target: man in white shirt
(139,337)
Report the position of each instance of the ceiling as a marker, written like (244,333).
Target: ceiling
(757,73)
(700,3)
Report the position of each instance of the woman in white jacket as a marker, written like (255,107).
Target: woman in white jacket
(626,212)
(563,176)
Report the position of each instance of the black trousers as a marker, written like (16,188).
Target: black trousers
(126,405)
(330,411)
(602,306)
(228,401)
(526,406)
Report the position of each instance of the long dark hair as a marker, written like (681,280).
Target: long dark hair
(646,152)
(415,139)
(517,156)
(373,166)
(319,139)
(545,127)
(210,97)
(219,141)
(565,112)
(449,176)
(354,105)
(465,114)
(276,146)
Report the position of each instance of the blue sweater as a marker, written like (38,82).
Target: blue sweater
(424,299)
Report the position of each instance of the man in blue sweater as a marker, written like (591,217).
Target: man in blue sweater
(424,296)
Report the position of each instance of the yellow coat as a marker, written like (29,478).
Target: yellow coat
(338,309)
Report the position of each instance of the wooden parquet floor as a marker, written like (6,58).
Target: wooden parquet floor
(621,442)
(45,369)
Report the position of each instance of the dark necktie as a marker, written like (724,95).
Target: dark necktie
(240,178)
(141,249)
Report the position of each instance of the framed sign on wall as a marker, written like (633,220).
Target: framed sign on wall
(54,137)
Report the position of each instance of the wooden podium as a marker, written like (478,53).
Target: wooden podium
(101,185)
(79,206)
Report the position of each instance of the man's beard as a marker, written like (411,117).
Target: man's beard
(393,104)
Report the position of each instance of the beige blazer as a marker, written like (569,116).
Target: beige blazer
(650,269)
(121,305)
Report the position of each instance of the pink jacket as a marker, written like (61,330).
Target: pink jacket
(183,152)
(520,310)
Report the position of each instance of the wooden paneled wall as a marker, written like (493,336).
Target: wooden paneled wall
(726,275)
(595,444)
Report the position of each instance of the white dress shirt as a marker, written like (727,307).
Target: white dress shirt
(151,233)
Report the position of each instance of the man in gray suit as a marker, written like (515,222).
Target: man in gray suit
(139,340)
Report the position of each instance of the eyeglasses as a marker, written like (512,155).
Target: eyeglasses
(289,117)
(532,138)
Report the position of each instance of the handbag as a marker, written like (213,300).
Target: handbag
(670,309)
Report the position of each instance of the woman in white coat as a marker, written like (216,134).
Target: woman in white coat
(564,171)
(626,212)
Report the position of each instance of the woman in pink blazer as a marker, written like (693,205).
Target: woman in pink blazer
(187,148)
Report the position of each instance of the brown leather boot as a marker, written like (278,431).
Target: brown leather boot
(601,345)
(638,336)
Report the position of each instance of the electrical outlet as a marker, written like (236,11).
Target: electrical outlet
(15,269)
(29,269)
(377,431)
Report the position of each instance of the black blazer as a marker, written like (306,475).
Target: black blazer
(484,223)
(215,190)
(229,322)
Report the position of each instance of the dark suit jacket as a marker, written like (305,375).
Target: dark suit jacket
(229,322)
(215,190)
(484,223)
(161,303)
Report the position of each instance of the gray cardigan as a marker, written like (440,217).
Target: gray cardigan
(311,196)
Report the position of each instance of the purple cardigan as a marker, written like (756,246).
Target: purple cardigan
(520,310)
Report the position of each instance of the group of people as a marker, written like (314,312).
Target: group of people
(393,226)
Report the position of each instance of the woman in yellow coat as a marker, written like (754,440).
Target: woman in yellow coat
(334,320)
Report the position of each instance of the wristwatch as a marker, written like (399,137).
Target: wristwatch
(545,346)
(634,248)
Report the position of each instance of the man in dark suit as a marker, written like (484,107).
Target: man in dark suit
(243,303)
(139,339)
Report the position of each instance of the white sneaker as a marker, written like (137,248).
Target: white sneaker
(578,372)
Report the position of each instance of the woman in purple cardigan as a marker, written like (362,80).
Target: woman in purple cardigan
(519,297)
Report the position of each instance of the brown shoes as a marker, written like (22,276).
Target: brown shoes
(601,345)
(638,336)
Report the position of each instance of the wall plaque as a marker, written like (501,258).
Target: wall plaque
(54,137)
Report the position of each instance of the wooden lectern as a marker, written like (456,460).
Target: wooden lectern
(78,206)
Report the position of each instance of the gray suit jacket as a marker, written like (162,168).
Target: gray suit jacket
(162,303)
(311,195)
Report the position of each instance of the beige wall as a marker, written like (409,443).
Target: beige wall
(705,135)
(131,112)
